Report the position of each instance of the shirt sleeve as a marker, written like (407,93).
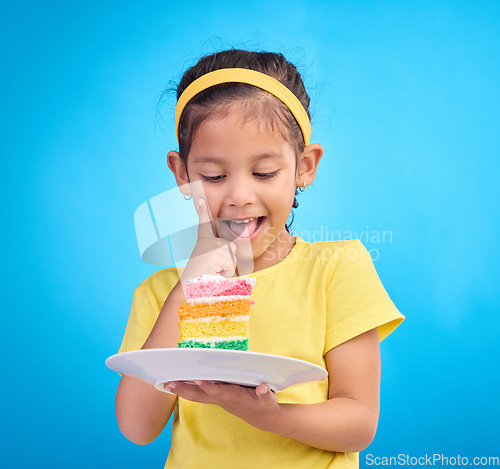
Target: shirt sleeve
(147,302)
(356,299)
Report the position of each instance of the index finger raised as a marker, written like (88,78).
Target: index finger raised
(205,226)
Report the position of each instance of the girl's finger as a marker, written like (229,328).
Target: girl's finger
(232,246)
(217,390)
(189,392)
(229,265)
(205,226)
(263,392)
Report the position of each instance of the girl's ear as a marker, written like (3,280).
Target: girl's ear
(179,170)
(308,164)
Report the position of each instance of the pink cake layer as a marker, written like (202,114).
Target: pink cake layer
(205,286)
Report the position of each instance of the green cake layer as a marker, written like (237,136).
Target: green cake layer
(222,344)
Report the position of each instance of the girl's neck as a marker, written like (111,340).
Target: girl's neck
(274,254)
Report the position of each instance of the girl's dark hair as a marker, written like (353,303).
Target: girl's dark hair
(255,102)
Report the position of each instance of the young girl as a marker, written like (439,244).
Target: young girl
(243,129)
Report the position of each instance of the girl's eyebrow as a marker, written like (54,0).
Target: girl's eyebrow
(213,159)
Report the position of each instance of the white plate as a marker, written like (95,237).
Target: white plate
(157,366)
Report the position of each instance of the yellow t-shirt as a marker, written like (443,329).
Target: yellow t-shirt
(321,295)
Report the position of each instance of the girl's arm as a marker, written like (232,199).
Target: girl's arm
(141,410)
(345,423)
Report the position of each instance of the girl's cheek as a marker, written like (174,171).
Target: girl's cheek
(213,204)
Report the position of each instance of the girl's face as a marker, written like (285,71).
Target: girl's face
(247,173)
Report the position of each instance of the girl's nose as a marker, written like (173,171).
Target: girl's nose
(240,191)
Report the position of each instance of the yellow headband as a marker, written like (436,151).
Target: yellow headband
(251,77)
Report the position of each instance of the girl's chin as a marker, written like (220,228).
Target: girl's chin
(245,252)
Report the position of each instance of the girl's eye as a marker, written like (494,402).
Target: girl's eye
(267,175)
(222,176)
(212,178)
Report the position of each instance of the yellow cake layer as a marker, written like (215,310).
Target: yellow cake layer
(218,328)
(221,309)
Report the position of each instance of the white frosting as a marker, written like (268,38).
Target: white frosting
(219,319)
(220,278)
(252,280)
(216,339)
(217,299)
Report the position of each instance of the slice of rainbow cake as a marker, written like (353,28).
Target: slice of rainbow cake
(216,312)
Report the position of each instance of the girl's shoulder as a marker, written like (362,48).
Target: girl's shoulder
(337,246)
(331,255)
(160,283)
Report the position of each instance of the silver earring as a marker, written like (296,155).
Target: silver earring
(302,186)
(187,198)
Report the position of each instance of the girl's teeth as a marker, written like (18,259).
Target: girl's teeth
(243,221)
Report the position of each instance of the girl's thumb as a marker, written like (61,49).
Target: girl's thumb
(263,392)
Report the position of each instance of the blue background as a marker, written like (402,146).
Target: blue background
(405,102)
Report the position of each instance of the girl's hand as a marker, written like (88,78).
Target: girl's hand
(257,406)
(211,255)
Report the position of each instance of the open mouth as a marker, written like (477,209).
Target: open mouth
(245,230)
